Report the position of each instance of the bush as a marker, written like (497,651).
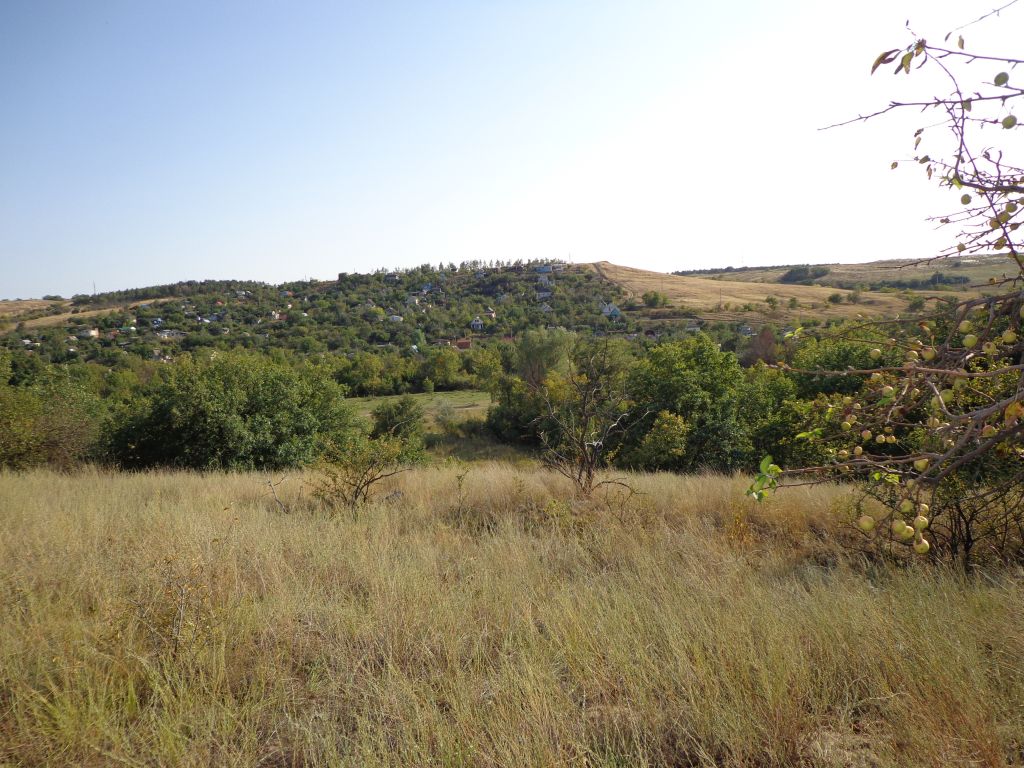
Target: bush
(349,470)
(399,418)
(234,411)
(54,422)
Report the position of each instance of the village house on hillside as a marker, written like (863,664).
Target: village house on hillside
(609,310)
(477,324)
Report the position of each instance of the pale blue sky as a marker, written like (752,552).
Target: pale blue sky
(149,142)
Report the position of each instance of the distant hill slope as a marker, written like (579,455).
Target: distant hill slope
(973,270)
(737,294)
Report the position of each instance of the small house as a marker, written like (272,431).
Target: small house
(477,324)
(170,333)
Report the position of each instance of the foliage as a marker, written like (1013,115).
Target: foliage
(803,275)
(662,447)
(349,470)
(233,411)
(54,421)
(402,418)
(700,383)
(935,419)
(654,299)
(586,409)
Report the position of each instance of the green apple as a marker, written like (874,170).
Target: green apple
(875,353)
(928,354)
(922,547)
(920,523)
(1009,337)
(866,523)
(897,528)
(887,390)
(966,326)
(921,464)
(857,450)
(866,435)
(906,506)
(970,340)
(989,431)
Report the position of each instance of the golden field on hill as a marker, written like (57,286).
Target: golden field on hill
(977,269)
(12,307)
(708,297)
(482,618)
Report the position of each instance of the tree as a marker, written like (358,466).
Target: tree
(654,299)
(700,383)
(943,397)
(401,417)
(587,409)
(233,411)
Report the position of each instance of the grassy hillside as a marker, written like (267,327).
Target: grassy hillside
(463,405)
(183,619)
(725,299)
(976,269)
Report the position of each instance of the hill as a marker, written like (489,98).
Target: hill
(956,273)
(715,299)
(400,315)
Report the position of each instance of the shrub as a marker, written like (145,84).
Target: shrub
(234,411)
(399,418)
(349,470)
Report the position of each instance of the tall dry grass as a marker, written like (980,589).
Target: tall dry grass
(182,619)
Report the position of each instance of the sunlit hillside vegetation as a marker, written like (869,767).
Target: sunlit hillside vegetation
(479,616)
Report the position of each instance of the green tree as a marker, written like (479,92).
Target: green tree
(696,381)
(399,417)
(235,411)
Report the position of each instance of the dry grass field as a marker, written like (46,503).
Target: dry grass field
(707,297)
(978,269)
(12,307)
(482,618)
(464,403)
(52,320)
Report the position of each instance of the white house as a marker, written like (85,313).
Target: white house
(476,323)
